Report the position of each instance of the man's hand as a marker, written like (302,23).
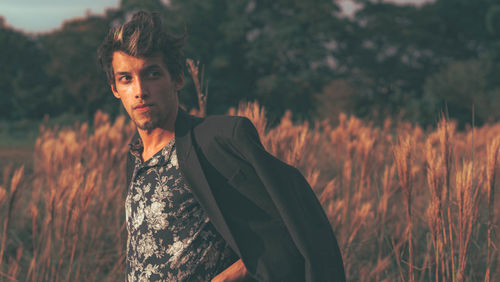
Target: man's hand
(236,272)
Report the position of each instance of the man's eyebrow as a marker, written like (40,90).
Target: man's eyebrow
(153,66)
(147,68)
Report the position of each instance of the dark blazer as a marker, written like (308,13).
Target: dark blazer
(264,208)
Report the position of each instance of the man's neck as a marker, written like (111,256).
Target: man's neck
(154,140)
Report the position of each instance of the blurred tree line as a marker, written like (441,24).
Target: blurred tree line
(386,60)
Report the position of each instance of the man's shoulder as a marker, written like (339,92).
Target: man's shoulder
(219,125)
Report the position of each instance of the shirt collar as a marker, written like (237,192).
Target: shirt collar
(159,158)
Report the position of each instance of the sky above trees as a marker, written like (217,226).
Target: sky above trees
(43,16)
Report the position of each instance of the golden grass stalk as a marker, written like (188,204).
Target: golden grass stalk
(193,69)
(14,185)
(403,158)
(3,195)
(467,197)
(444,131)
(435,181)
(491,169)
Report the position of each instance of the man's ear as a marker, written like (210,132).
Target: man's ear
(113,89)
(179,82)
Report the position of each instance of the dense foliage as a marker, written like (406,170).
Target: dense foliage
(385,60)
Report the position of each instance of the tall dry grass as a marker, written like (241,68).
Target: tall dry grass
(406,204)
(65,222)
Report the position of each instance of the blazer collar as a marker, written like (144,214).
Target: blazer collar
(184,123)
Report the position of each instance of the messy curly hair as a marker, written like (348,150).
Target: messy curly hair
(144,35)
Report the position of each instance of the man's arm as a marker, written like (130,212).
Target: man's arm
(236,272)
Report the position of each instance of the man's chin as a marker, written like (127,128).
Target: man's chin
(146,125)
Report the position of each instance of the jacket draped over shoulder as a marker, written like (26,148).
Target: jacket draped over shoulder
(264,208)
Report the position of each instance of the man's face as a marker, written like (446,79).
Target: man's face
(146,90)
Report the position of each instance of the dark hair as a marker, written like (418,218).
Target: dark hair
(144,35)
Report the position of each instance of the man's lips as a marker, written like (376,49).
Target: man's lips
(142,107)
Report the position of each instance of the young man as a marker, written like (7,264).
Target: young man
(205,200)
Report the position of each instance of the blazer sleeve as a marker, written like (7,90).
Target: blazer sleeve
(296,203)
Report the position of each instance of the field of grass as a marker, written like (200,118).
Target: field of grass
(406,204)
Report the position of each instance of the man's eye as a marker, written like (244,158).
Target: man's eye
(154,74)
(124,78)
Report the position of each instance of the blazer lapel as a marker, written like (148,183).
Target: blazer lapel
(194,175)
(183,126)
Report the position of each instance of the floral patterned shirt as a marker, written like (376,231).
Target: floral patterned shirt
(170,238)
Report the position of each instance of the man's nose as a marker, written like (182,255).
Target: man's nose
(140,89)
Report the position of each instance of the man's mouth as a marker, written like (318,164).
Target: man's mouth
(143,107)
